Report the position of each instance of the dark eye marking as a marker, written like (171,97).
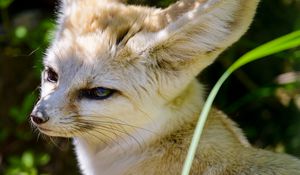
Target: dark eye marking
(98,93)
(51,75)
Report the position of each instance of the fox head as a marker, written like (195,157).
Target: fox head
(113,68)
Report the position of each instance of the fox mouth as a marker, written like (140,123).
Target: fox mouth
(40,128)
(54,131)
(51,132)
(44,129)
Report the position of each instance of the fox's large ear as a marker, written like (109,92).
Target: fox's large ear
(195,32)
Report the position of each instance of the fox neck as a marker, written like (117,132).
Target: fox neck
(96,157)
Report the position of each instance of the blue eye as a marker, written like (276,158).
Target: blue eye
(99,93)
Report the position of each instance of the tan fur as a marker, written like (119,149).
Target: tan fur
(223,150)
(151,57)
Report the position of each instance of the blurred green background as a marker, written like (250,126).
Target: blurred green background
(263,97)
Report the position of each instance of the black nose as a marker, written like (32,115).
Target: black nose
(39,120)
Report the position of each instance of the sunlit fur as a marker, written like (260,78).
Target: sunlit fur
(151,57)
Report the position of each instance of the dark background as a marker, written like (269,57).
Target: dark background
(263,97)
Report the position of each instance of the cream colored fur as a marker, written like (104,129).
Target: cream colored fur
(151,57)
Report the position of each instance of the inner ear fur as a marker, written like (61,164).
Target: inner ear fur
(197,31)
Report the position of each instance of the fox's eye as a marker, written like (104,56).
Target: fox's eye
(99,93)
(51,75)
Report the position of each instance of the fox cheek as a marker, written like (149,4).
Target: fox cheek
(72,108)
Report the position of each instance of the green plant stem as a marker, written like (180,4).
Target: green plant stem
(201,123)
(286,42)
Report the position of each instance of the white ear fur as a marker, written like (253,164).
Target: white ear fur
(196,37)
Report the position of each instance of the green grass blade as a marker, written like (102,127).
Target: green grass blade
(283,43)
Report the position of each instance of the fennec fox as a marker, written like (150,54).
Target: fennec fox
(120,80)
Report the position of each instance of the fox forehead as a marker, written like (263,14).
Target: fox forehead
(86,48)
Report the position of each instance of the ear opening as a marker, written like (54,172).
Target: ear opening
(197,31)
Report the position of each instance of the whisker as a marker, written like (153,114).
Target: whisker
(32,52)
(78,129)
(38,136)
(103,121)
(107,130)
(112,128)
(55,144)
(119,122)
